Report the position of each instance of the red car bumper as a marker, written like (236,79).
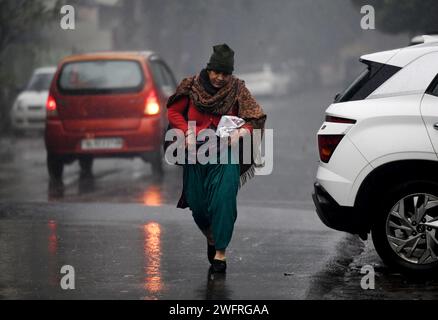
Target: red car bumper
(147,137)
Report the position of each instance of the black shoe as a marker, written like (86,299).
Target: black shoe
(219,266)
(211,252)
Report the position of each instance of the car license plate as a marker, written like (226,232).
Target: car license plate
(101,143)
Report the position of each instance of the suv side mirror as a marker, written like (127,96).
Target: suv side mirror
(337,96)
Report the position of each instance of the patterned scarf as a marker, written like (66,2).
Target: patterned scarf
(221,103)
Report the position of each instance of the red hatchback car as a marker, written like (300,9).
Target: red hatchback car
(110,104)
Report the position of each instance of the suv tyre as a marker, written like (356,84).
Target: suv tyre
(402,233)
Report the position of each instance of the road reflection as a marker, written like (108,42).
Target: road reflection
(86,185)
(148,190)
(152,253)
(52,247)
(152,196)
(216,288)
(55,190)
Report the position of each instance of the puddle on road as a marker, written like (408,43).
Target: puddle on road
(341,278)
(389,284)
(332,276)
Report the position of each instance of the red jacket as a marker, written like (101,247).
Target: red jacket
(175,114)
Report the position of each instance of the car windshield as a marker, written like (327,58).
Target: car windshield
(40,82)
(101,76)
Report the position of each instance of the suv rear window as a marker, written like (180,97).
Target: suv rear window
(368,81)
(433,87)
(435,91)
(101,76)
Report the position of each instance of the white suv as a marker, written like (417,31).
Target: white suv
(378,149)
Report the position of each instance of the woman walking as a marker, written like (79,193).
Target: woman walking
(210,190)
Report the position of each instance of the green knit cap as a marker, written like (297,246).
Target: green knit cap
(222,59)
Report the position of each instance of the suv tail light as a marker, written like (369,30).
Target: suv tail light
(152,106)
(339,120)
(51,108)
(327,145)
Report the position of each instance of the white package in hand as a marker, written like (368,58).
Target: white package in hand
(228,124)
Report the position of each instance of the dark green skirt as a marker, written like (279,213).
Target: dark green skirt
(211,193)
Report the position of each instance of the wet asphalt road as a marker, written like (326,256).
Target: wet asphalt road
(128,251)
(126,240)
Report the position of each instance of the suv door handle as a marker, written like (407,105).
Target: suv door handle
(435,126)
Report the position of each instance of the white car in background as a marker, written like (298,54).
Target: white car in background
(378,168)
(266,82)
(29,108)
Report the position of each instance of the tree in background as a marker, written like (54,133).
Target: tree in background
(22,25)
(397,16)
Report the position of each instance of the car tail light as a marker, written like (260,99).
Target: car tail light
(339,120)
(152,106)
(51,107)
(327,145)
